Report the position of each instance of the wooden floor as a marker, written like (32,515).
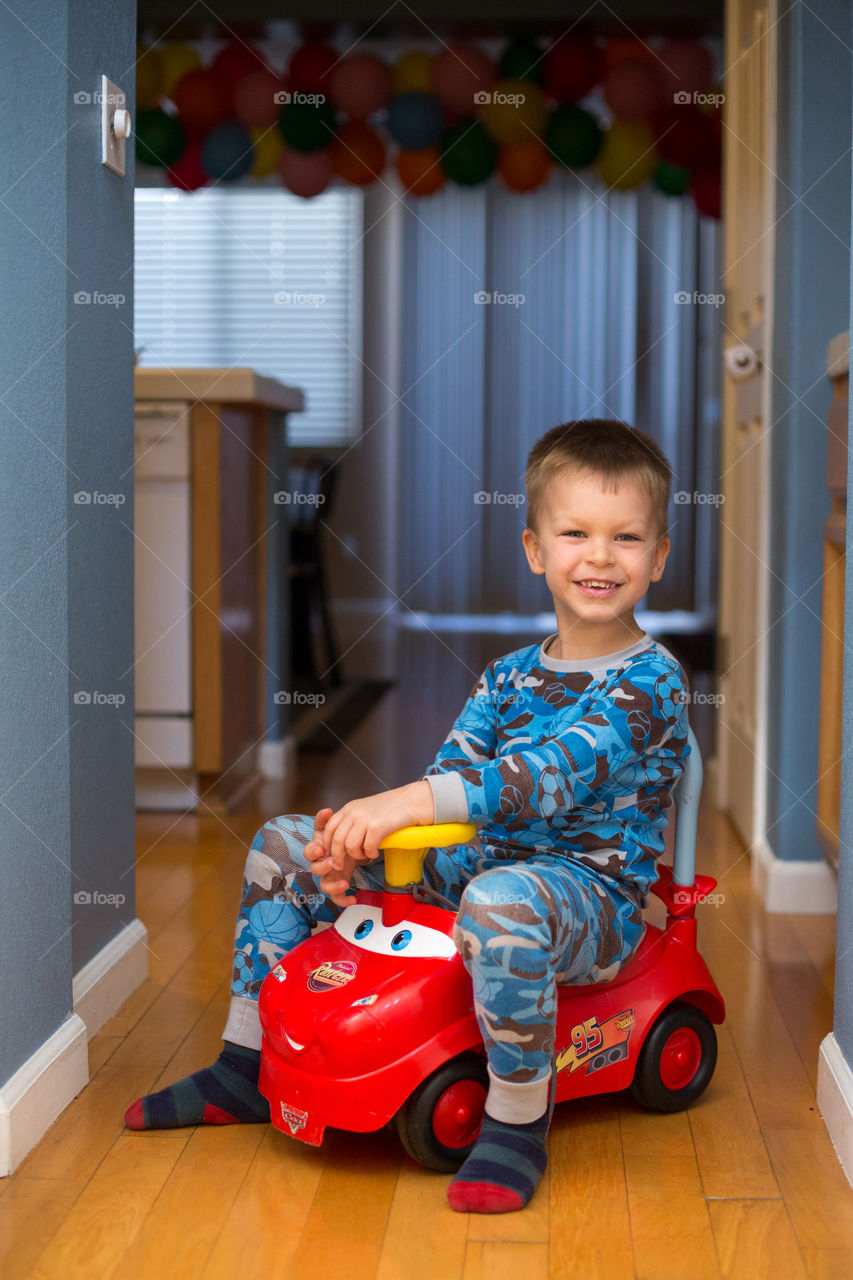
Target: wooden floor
(745,1185)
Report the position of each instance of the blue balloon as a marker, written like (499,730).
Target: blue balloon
(415,120)
(227,152)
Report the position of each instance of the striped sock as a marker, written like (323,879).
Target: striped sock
(226,1093)
(504,1168)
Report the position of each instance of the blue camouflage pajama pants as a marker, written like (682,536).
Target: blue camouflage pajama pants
(522,927)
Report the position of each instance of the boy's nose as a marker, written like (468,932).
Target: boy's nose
(599,553)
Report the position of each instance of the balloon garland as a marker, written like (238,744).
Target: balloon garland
(455,115)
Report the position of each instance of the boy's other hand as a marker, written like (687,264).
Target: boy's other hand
(334,881)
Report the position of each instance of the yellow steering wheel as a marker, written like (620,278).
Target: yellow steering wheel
(405,849)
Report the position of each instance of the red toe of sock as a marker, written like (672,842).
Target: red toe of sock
(215,1115)
(133,1117)
(482,1197)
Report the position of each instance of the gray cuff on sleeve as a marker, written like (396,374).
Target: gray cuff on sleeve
(448,794)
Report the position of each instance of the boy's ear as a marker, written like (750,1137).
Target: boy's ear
(661,553)
(531,547)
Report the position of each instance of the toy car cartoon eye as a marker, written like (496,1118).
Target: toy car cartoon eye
(362,925)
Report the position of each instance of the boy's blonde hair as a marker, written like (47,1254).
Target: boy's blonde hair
(606,447)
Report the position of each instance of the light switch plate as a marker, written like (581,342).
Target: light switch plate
(112,148)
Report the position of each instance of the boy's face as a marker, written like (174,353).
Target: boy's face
(587,534)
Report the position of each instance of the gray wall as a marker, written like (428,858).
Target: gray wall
(66,628)
(811,306)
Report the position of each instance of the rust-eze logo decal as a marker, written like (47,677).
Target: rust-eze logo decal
(595,1045)
(293,1117)
(330,975)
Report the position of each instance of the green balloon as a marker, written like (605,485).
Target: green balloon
(468,153)
(306,127)
(159,138)
(573,136)
(523,60)
(671,179)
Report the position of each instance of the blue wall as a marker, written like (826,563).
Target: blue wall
(811,306)
(66,569)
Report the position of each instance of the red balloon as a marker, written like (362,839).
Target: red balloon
(684,136)
(623,48)
(686,68)
(572,67)
(236,61)
(304,173)
(256,104)
(524,166)
(310,67)
(633,89)
(202,99)
(187,172)
(706,192)
(420,171)
(459,73)
(357,153)
(360,85)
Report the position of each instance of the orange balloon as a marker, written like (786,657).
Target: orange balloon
(620,50)
(524,166)
(420,171)
(357,154)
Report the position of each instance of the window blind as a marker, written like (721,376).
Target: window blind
(256,278)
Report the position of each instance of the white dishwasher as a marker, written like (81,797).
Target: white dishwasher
(163,592)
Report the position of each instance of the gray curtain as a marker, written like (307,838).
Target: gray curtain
(582,321)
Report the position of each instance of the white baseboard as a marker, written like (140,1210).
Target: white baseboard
(276,759)
(40,1090)
(102,986)
(835,1100)
(793,888)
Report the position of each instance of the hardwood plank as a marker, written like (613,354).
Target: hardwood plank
(486,1260)
(644,1131)
(107,1216)
(590,1226)
(101,1049)
(829,1264)
(755,1240)
(76,1144)
(670,1227)
(424,1238)
(31,1212)
(262,1227)
(818,1196)
(730,1151)
(179,1232)
(350,1210)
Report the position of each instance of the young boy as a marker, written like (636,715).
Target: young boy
(565,756)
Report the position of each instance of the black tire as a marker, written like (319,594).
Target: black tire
(677,1060)
(431,1107)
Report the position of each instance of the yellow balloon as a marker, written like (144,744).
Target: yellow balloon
(515,110)
(149,76)
(268,145)
(627,158)
(176,60)
(412,73)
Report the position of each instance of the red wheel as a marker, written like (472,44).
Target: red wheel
(439,1123)
(677,1059)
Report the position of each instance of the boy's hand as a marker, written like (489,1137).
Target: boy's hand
(352,835)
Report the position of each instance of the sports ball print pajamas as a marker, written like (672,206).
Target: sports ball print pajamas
(567,767)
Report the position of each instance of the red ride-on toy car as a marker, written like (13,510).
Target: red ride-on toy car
(372,1020)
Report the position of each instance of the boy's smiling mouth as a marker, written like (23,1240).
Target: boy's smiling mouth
(596,586)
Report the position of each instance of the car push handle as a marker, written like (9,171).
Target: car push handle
(405,850)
